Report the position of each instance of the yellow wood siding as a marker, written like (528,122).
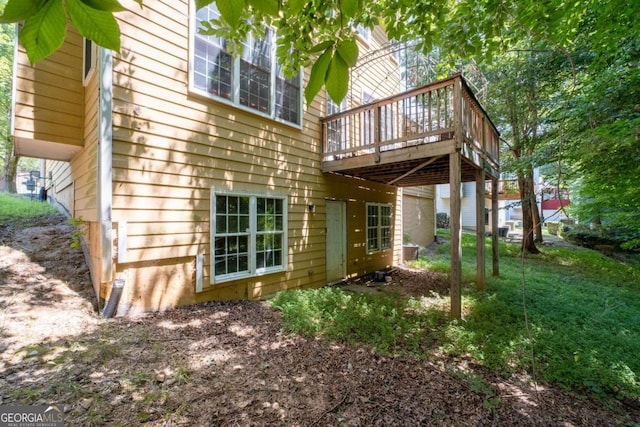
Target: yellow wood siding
(171,147)
(73,183)
(49,95)
(377,71)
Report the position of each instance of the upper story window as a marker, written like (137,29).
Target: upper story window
(333,108)
(364,32)
(378,227)
(253,81)
(337,130)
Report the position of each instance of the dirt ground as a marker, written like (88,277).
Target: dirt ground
(228,364)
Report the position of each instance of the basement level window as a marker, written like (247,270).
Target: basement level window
(378,227)
(248,235)
(253,81)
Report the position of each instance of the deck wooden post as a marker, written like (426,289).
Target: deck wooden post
(455,180)
(494,227)
(480,187)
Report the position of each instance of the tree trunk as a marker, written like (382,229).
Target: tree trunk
(10,170)
(525,184)
(537,222)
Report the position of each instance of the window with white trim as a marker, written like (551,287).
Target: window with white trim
(364,32)
(368,123)
(337,129)
(248,235)
(378,227)
(253,81)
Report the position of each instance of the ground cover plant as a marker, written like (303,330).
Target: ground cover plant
(582,327)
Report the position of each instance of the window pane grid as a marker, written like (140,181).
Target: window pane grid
(213,71)
(378,227)
(287,96)
(249,235)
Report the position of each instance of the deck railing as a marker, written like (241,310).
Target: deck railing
(424,115)
(506,188)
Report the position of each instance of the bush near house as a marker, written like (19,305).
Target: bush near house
(442,220)
(615,238)
(553,227)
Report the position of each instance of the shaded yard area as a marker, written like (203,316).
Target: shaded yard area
(233,363)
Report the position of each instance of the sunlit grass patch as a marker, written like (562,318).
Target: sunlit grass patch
(18,209)
(379,321)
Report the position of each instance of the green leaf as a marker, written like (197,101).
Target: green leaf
(231,11)
(96,25)
(349,8)
(321,46)
(348,51)
(295,6)
(19,10)
(43,33)
(105,5)
(202,3)
(317,76)
(268,7)
(337,80)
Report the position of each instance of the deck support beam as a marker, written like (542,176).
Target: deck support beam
(480,213)
(455,182)
(494,227)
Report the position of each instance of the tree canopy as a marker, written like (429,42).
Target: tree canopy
(578,71)
(321,33)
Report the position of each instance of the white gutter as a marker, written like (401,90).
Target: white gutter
(104,152)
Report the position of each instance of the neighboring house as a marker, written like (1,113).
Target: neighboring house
(418,215)
(549,199)
(468,205)
(199,176)
(508,203)
(553,202)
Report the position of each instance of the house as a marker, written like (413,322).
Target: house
(508,203)
(554,201)
(199,176)
(551,201)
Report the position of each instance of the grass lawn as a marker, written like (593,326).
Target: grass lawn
(18,209)
(580,329)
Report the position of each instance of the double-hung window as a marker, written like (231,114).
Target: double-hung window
(368,123)
(248,235)
(337,129)
(253,81)
(378,227)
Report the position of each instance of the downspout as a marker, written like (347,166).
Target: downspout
(12,119)
(104,178)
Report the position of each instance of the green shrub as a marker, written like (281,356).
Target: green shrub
(442,220)
(553,227)
(582,235)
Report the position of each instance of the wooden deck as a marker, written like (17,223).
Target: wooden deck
(406,140)
(507,189)
(434,134)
